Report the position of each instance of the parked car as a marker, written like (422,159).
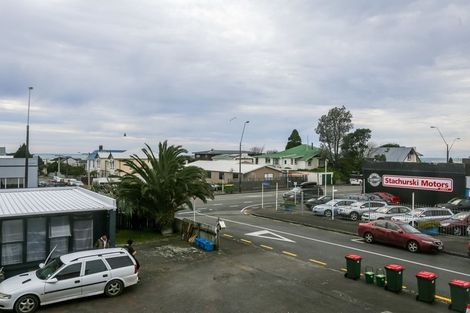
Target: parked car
(398,234)
(424,214)
(297,192)
(457,225)
(385,213)
(363,197)
(355,210)
(456,205)
(355,181)
(70,276)
(468,247)
(388,197)
(310,203)
(327,208)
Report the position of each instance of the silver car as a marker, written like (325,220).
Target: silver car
(355,210)
(70,276)
(327,208)
(386,213)
(424,214)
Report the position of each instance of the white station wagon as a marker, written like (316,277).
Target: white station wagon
(70,276)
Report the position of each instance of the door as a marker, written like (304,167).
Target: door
(67,286)
(394,236)
(95,277)
(380,231)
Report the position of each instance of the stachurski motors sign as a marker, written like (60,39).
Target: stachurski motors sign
(416,182)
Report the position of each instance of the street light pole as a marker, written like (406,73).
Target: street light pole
(447,145)
(26,165)
(240,160)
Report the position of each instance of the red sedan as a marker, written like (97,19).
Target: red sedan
(388,197)
(398,234)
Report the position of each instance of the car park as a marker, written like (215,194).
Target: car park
(70,276)
(398,234)
(457,225)
(456,204)
(310,203)
(424,214)
(355,210)
(331,207)
(388,197)
(386,213)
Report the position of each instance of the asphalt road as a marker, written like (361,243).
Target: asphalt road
(322,247)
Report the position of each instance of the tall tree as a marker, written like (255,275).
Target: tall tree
(21,152)
(158,186)
(294,140)
(331,130)
(354,144)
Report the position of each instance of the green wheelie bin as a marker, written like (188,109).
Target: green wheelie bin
(394,274)
(459,294)
(426,286)
(353,266)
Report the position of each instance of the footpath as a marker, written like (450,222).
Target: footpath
(453,245)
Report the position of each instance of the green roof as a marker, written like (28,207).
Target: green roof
(303,152)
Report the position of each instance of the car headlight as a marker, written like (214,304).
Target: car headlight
(4,296)
(445,224)
(428,242)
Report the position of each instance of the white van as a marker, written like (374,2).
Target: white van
(70,276)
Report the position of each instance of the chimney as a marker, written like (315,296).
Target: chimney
(100,148)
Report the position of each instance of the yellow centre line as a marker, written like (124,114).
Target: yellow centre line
(289,253)
(227,235)
(343,269)
(317,262)
(443,298)
(245,241)
(266,247)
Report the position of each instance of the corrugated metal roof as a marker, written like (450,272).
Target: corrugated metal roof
(40,201)
(392,154)
(227,166)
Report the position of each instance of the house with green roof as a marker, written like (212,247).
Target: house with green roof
(302,157)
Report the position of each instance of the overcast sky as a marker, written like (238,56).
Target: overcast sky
(193,72)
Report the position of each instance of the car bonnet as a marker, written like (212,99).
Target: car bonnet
(21,281)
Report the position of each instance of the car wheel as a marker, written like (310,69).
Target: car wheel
(26,304)
(412,246)
(354,216)
(114,288)
(327,213)
(368,237)
(457,231)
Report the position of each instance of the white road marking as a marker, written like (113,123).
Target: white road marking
(217,204)
(268,235)
(359,240)
(233,206)
(347,247)
(248,202)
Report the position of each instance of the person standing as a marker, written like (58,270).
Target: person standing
(132,251)
(102,242)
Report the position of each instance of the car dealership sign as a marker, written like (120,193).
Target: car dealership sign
(416,182)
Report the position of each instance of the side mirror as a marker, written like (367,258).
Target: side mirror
(51,280)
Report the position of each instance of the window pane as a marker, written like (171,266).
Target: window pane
(62,246)
(118,262)
(36,239)
(82,235)
(93,267)
(70,271)
(12,253)
(60,227)
(12,231)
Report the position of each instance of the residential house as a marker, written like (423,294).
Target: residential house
(101,161)
(302,157)
(210,154)
(227,171)
(394,154)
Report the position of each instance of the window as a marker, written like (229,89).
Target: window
(393,227)
(285,162)
(235,175)
(95,266)
(268,160)
(275,161)
(82,234)
(59,234)
(70,271)
(268,176)
(14,182)
(221,175)
(404,210)
(209,174)
(111,164)
(381,223)
(36,239)
(12,242)
(309,163)
(121,261)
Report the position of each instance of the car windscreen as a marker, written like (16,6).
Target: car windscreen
(455,201)
(461,216)
(49,269)
(409,229)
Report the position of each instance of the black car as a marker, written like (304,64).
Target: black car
(456,204)
(316,201)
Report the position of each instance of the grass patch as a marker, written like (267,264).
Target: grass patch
(138,236)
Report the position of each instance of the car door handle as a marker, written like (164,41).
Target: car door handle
(77,281)
(105,275)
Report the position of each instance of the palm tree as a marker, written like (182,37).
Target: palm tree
(159,185)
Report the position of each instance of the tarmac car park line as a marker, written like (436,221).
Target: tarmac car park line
(343,246)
